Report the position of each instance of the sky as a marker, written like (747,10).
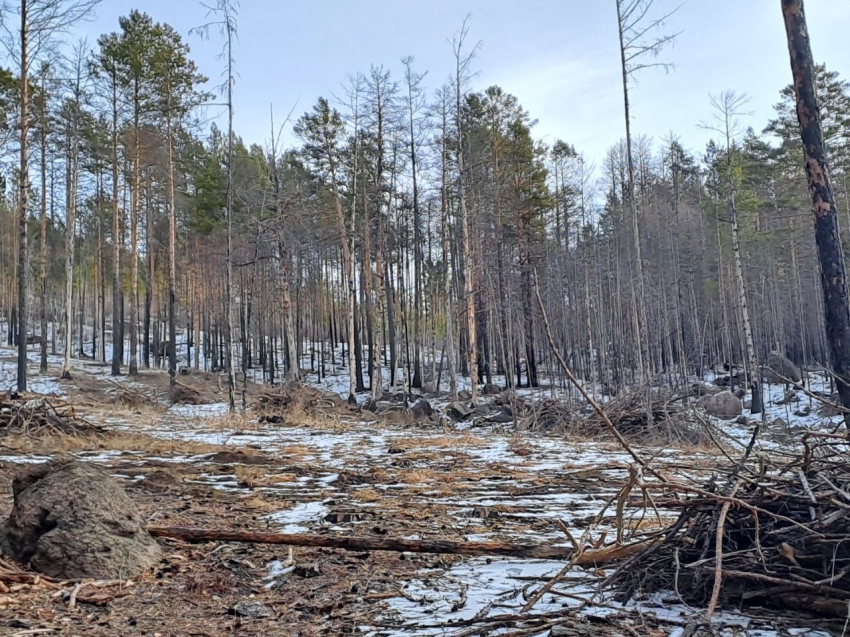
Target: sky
(559,57)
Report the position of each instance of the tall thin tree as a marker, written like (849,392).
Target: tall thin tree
(39,23)
(833,270)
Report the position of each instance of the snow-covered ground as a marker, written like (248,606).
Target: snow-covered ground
(487,484)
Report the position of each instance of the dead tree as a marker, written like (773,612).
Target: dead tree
(833,271)
(636,45)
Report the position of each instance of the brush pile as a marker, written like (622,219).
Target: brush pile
(180,394)
(784,539)
(131,399)
(280,404)
(32,415)
(671,422)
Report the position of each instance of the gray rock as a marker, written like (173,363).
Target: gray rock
(725,405)
(779,423)
(780,369)
(502,418)
(790,396)
(459,410)
(250,609)
(490,390)
(742,420)
(422,410)
(802,413)
(702,389)
(71,520)
(464,394)
(748,404)
(482,411)
(740,393)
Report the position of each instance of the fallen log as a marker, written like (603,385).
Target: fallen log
(590,557)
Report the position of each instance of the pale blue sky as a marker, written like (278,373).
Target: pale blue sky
(559,57)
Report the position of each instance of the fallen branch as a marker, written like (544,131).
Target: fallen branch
(346,543)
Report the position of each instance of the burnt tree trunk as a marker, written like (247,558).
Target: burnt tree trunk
(833,271)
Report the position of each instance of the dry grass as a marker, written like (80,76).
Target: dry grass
(415,476)
(367,495)
(251,476)
(294,452)
(119,441)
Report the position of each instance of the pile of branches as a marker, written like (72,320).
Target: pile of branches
(774,532)
(130,398)
(37,415)
(180,394)
(628,412)
(275,404)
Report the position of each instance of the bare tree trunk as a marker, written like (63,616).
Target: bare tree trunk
(23,203)
(469,266)
(833,271)
(172,247)
(134,238)
(150,288)
(70,224)
(640,316)
(42,259)
(751,367)
(117,327)
(228,292)
(444,239)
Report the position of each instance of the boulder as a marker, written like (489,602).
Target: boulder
(702,389)
(482,411)
(790,396)
(71,520)
(722,381)
(459,410)
(779,424)
(740,393)
(829,408)
(422,410)
(464,394)
(490,390)
(501,418)
(725,405)
(780,369)
(742,420)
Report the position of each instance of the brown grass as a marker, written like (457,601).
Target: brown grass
(119,441)
(367,495)
(251,476)
(415,476)
(295,451)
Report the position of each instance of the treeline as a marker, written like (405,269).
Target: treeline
(409,231)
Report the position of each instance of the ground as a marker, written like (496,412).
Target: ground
(344,472)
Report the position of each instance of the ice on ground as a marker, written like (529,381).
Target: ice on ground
(212,410)
(276,571)
(293,520)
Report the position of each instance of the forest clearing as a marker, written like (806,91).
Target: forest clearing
(329,470)
(405,362)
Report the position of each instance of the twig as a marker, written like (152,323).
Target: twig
(718,554)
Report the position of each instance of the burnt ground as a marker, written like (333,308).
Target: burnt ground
(193,589)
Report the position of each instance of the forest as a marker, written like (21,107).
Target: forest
(405,267)
(377,232)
